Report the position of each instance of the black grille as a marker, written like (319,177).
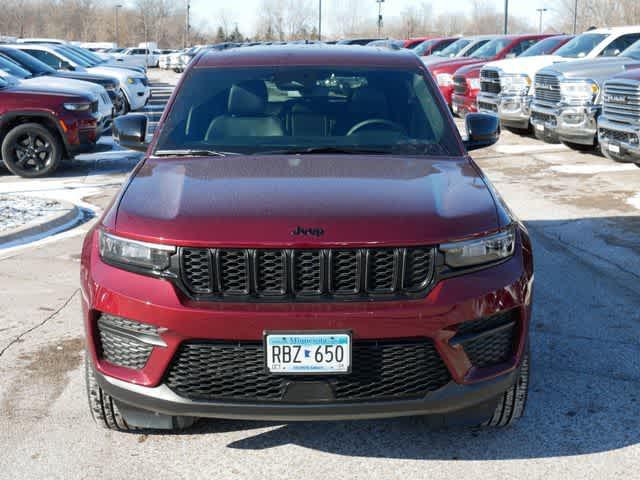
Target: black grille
(306,274)
(543,117)
(491,107)
(485,349)
(122,349)
(459,85)
(489,81)
(618,135)
(236,372)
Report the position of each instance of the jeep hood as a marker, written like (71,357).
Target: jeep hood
(259,200)
(77,87)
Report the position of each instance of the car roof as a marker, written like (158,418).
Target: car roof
(307,55)
(616,30)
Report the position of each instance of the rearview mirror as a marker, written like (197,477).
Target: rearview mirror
(130,131)
(483,130)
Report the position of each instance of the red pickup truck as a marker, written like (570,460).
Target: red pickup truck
(508,46)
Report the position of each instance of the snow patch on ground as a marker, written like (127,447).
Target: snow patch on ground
(634,201)
(529,149)
(593,168)
(17,210)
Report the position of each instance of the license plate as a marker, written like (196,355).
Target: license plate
(540,128)
(308,353)
(614,148)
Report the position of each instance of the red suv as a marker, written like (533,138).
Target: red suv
(40,127)
(306,239)
(507,46)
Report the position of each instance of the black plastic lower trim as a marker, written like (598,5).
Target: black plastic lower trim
(447,400)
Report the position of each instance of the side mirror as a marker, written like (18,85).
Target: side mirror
(483,130)
(64,65)
(130,131)
(510,55)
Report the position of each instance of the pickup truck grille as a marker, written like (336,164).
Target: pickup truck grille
(306,275)
(547,88)
(621,101)
(489,81)
(381,370)
(459,85)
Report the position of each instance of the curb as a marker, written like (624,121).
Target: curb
(68,213)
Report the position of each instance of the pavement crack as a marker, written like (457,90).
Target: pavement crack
(40,324)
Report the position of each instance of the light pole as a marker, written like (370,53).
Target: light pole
(319,20)
(506,16)
(575,17)
(379,2)
(541,11)
(186,24)
(116,8)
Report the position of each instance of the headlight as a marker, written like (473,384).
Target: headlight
(132,252)
(515,84)
(77,107)
(479,250)
(132,80)
(444,79)
(579,91)
(474,83)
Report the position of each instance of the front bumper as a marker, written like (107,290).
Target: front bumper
(567,123)
(463,104)
(505,287)
(450,399)
(621,141)
(513,110)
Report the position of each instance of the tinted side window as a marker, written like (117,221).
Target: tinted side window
(522,46)
(46,57)
(620,44)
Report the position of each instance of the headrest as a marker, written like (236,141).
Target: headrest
(248,98)
(370,102)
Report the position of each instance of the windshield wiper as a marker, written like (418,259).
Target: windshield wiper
(312,150)
(192,153)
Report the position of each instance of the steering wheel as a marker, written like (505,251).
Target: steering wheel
(376,121)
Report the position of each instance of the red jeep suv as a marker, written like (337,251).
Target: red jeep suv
(39,127)
(306,239)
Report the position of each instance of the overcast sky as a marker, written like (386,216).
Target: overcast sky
(245,11)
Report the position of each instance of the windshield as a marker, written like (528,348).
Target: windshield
(632,51)
(492,48)
(453,49)
(12,68)
(425,47)
(543,47)
(581,46)
(87,55)
(302,110)
(26,61)
(71,55)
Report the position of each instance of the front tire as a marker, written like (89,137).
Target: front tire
(513,402)
(107,414)
(31,150)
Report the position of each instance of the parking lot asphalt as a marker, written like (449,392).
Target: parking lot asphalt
(583,417)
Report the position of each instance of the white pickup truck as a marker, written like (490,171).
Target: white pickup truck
(507,86)
(142,57)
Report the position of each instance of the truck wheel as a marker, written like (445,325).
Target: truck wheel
(30,150)
(126,107)
(512,403)
(108,415)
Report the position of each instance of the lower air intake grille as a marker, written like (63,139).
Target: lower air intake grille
(305,275)
(490,340)
(118,343)
(236,372)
